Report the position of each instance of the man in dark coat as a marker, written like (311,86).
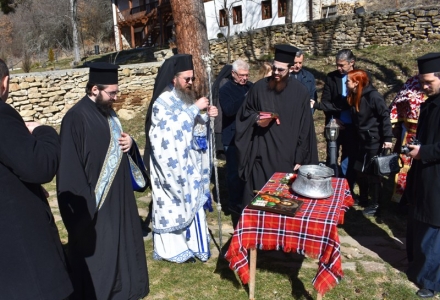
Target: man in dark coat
(423,188)
(32,263)
(282,142)
(334,104)
(96,199)
(231,96)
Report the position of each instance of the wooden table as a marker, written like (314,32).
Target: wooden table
(312,232)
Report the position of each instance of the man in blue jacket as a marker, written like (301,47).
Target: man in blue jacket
(304,76)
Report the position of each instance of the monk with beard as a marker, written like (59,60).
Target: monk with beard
(106,251)
(180,163)
(279,144)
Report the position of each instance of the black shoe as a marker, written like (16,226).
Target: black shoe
(360,202)
(371,210)
(425,293)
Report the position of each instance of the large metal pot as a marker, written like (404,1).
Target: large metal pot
(314,181)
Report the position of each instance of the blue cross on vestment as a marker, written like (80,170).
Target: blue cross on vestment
(187,126)
(165,144)
(155,110)
(174,117)
(196,184)
(166,186)
(157,183)
(164,222)
(180,220)
(172,162)
(185,153)
(190,169)
(162,124)
(179,135)
(176,201)
(160,202)
(181,181)
(188,198)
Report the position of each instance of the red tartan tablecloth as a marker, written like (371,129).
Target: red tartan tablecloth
(311,232)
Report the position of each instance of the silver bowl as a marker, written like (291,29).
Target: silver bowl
(314,182)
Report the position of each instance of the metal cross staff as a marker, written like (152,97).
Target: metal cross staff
(207,60)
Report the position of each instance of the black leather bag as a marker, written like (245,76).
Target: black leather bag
(387,163)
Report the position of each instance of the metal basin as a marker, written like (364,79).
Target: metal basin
(314,181)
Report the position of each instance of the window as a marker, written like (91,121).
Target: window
(266,9)
(328,11)
(282,8)
(236,14)
(223,18)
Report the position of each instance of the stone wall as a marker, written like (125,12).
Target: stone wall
(47,96)
(326,36)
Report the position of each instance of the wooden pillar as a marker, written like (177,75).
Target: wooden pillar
(132,37)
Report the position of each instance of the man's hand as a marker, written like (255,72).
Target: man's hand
(125,142)
(414,151)
(32,125)
(212,111)
(312,102)
(296,167)
(202,103)
(264,122)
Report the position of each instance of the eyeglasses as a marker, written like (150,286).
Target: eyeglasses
(242,75)
(112,94)
(279,70)
(188,79)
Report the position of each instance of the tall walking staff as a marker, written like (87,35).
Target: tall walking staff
(207,60)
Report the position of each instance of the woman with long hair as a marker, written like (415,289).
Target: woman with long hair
(371,118)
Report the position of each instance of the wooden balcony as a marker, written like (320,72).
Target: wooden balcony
(141,14)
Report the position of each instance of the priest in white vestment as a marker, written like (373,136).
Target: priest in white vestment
(180,163)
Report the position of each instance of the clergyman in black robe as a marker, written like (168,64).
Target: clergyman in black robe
(32,262)
(106,251)
(267,146)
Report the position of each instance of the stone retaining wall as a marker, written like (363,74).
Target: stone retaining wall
(326,36)
(47,96)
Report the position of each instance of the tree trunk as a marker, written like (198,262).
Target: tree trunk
(192,38)
(289,11)
(73,10)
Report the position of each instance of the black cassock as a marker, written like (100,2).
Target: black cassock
(275,148)
(106,250)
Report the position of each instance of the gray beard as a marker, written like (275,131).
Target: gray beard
(186,96)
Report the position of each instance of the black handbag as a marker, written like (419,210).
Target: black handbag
(387,163)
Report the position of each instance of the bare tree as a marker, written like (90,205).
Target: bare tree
(96,20)
(74,18)
(192,37)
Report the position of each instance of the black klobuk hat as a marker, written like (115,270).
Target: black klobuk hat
(285,53)
(103,73)
(429,63)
